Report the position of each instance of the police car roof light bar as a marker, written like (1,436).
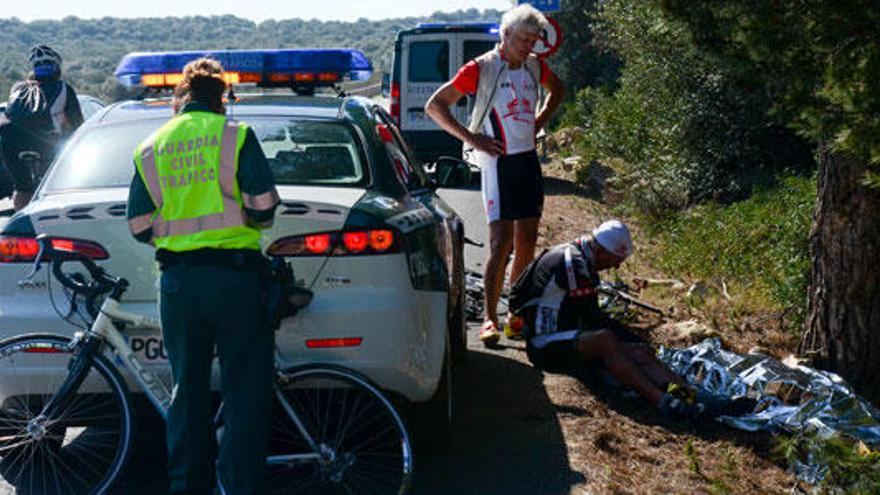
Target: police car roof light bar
(489,27)
(265,68)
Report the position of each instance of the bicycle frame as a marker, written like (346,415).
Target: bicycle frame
(103,343)
(152,385)
(104,329)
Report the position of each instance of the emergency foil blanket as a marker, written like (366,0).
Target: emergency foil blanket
(790,399)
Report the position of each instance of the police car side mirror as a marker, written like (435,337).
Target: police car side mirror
(386,85)
(451,172)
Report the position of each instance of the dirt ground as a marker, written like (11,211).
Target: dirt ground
(618,445)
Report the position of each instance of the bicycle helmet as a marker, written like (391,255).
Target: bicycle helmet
(43,55)
(614,236)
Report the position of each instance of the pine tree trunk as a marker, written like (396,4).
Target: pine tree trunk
(843,323)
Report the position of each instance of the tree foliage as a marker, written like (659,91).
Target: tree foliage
(686,128)
(819,60)
(582,60)
(92,47)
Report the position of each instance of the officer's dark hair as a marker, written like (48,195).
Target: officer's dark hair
(203,83)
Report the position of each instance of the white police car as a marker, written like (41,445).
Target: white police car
(359,220)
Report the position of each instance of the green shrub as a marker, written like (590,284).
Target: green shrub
(759,245)
(849,467)
(687,128)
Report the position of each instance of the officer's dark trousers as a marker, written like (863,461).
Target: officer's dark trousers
(204,306)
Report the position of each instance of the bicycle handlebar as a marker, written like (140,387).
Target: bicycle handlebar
(611,291)
(101,282)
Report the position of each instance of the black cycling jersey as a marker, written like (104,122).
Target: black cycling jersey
(558,291)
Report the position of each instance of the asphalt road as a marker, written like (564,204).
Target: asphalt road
(506,436)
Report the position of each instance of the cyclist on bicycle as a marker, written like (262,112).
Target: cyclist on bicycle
(556,306)
(205,222)
(41,112)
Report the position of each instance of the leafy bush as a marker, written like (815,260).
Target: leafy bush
(847,466)
(759,245)
(686,128)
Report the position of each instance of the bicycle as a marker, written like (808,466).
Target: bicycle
(615,297)
(332,429)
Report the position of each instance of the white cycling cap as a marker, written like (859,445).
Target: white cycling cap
(614,237)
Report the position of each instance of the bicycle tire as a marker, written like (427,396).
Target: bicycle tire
(351,421)
(82,451)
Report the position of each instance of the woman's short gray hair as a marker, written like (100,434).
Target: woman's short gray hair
(523,17)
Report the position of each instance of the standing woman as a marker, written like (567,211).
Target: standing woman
(204,218)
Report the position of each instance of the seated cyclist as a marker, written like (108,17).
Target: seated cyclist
(556,300)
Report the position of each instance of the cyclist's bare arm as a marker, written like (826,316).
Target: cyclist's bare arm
(438,109)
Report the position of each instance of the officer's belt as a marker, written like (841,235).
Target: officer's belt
(228,258)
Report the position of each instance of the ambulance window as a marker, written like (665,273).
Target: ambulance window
(475,48)
(429,61)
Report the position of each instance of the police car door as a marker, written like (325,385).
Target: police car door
(428,62)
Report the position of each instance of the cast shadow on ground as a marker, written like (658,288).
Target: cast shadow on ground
(506,437)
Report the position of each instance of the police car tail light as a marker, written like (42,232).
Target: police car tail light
(347,243)
(22,249)
(338,342)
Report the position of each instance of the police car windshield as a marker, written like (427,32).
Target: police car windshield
(299,152)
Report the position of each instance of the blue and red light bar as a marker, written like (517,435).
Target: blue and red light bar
(265,68)
(488,27)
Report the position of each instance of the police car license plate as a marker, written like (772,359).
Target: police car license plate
(148,348)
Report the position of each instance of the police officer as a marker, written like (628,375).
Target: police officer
(201,194)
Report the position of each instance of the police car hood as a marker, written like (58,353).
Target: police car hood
(100,216)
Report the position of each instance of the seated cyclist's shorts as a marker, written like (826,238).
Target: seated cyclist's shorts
(557,352)
(513,188)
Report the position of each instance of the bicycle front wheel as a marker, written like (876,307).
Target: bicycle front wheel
(80,449)
(333,431)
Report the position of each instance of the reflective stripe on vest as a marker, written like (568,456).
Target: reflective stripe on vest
(232,214)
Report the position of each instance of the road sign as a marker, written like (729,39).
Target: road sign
(545,5)
(550,39)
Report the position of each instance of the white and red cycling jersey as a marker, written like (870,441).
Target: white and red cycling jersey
(511,118)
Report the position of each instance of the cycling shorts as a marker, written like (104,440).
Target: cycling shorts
(513,188)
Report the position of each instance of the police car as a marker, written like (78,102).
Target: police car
(359,221)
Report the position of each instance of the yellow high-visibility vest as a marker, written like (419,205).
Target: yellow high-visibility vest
(189,167)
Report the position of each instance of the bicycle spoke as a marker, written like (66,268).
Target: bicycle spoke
(351,419)
(81,448)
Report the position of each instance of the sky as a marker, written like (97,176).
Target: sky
(257,10)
